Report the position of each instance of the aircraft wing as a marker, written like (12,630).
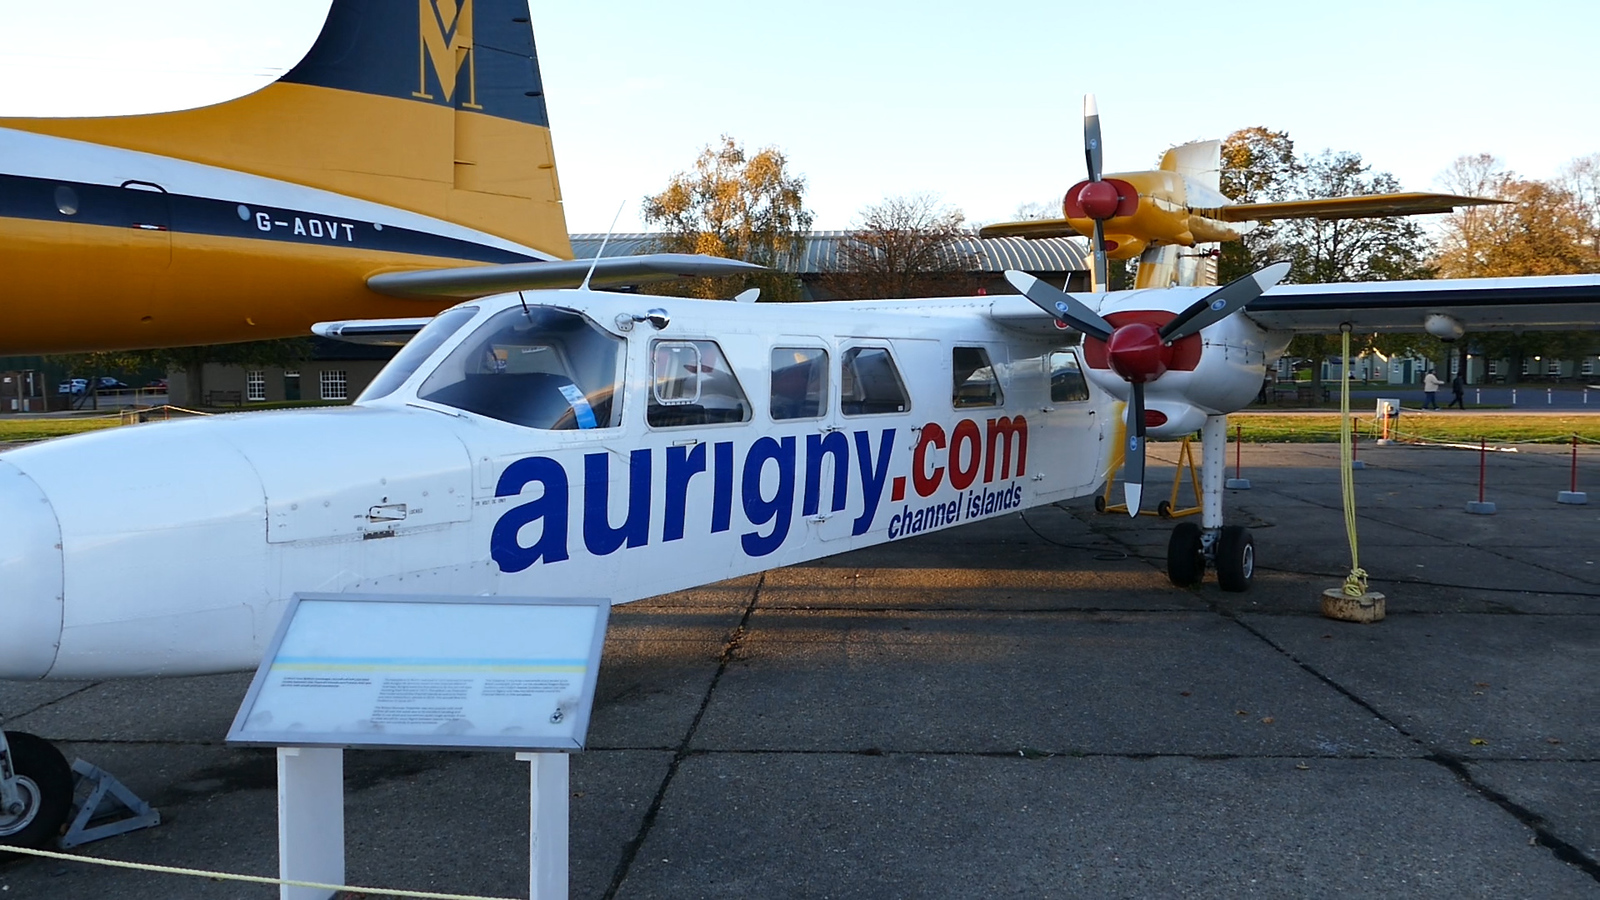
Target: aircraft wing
(467,282)
(378,332)
(1033,229)
(1359,207)
(1544,303)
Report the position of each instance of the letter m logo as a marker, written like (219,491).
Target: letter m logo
(444,40)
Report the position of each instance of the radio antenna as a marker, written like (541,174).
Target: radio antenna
(602,250)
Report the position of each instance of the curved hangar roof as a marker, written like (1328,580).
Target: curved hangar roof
(822,251)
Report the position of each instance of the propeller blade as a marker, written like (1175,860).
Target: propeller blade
(1091,136)
(1100,266)
(1060,304)
(1223,302)
(1133,457)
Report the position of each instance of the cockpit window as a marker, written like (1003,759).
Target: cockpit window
(692,384)
(542,368)
(417,350)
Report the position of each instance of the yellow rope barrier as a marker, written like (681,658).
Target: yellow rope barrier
(1355,585)
(253,879)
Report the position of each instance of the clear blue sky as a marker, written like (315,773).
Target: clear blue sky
(977,102)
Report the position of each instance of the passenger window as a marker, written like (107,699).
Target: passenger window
(542,368)
(799,382)
(692,384)
(1066,378)
(975,383)
(869,383)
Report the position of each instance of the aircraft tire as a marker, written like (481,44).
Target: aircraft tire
(1164,509)
(1099,503)
(1236,558)
(1186,563)
(45,782)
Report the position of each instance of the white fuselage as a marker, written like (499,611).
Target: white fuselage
(172,548)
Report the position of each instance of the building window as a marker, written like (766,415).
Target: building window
(1527,366)
(1492,367)
(255,386)
(1553,368)
(1588,367)
(333,385)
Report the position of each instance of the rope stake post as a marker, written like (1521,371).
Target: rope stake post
(1481,507)
(1238,482)
(1574,496)
(1352,601)
(1355,442)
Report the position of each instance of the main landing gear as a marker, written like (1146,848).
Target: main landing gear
(1229,549)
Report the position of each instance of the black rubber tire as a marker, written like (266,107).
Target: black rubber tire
(1186,564)
(46,784)
(1236,558)
(1164,509)
(1100,503)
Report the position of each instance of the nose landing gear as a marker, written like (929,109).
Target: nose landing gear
(35,790)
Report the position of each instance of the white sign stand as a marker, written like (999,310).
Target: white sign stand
(310,819)
(421,671)
(548,825)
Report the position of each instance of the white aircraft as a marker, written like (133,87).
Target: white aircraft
(581,442)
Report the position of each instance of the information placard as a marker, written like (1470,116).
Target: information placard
(347,670)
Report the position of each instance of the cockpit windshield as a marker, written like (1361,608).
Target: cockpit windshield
(417,350)
(542,368)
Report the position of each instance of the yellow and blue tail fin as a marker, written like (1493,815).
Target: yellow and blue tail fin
(432,106)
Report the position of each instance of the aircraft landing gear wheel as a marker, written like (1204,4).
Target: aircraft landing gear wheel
(45,782)
(1236,558)
(1100,503)
(1186,562)
(1164,509)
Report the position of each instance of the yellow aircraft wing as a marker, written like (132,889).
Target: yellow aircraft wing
(1408,204)
(1032,229)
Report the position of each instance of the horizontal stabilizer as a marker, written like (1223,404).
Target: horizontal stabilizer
(1362,207)
(1033,229)
(467,282)
(377,332)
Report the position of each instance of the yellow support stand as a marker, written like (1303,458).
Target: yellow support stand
(1166,509)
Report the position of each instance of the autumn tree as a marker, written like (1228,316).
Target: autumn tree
(1258,166)
(910,246)
(1543,228)
(736,205)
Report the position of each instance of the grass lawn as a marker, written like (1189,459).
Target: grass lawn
(1503,428)
(30,429)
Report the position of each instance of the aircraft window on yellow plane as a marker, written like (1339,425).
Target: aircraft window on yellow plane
(799,383)
(974,382)
(691,383)
(1066,377)
(543,368)
(870,383)
(417,350)
(66,201)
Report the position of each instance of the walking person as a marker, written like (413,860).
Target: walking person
(1430,390)
(1458,386)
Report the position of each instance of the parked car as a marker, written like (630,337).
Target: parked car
(107,383)
(73,386)
(159,384)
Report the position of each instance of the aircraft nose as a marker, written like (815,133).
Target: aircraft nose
(30,577)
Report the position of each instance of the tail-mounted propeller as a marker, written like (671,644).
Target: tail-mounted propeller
(1140,352)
